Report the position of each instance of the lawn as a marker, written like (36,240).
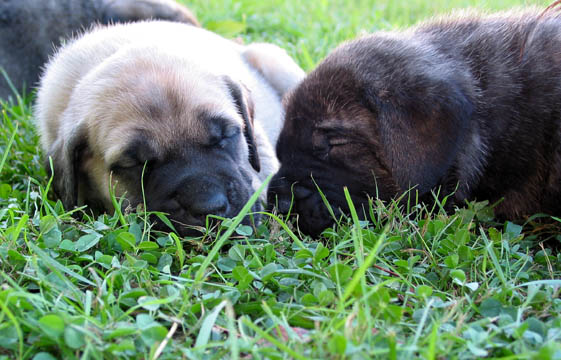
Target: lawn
(408,283)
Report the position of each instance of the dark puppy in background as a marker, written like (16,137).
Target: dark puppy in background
(470,103)
(31,29)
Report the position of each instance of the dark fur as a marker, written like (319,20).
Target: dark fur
(30,30)
(468,101)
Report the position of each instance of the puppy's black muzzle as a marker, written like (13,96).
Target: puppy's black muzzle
(189,194)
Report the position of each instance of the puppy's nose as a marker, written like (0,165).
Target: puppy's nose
(279,195)
(206,203)
(202,195)
(282,203)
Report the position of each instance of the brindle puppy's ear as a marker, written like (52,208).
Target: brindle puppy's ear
(66,154)
(422,129)
(243,101)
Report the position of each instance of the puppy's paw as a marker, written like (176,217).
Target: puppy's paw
(135,10)
(276,66)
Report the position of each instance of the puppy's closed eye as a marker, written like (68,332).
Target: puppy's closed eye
(324,141)
(338,141)
(220,135)
(127,165)
(133,159)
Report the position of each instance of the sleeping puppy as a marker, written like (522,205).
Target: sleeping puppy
(165,110)
(30,28)
(467,103)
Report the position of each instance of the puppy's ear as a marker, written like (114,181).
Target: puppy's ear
(242,99)
(66,154)
(422,130)
(134,10)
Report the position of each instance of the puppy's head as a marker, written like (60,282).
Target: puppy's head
(182,141)
(379,116)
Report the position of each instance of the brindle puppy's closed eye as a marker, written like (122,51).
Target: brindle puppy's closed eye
(465,103)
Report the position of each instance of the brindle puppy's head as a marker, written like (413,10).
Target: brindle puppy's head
(379,115)
(189,131)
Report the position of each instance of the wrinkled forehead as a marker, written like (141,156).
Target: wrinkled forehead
(316,108)
(167,106)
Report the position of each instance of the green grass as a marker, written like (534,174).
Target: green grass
(411,283)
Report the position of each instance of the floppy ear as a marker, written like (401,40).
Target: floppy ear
(243,101)
(65,153)
(422,130)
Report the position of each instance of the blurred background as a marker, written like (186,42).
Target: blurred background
(310,29)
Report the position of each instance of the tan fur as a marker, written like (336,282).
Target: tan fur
(156,76)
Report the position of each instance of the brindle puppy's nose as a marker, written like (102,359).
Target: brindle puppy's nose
(274,194)
(283,204)
(279,194)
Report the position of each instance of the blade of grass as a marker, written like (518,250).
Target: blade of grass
(286,228)
(233,338)
(13,319)
(272,340)
(421,325)
(208,323)
(116,204)
(431,351)
(359,273)
(325,202)
(357,239)
(494,259)
(539,282)
(8,147)
(11,85)
(56,265)
(180,252)
(236,221)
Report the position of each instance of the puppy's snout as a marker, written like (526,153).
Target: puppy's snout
(208,203)
(282,203)
(279,195)
(200,197)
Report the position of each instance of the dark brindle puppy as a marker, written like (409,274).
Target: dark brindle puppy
(31,29)
(468,101)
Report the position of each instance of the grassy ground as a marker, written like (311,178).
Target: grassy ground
(425,285)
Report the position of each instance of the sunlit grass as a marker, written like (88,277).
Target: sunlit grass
(405,283)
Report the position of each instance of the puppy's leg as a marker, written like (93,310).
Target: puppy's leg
(276,66)
(134,10)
